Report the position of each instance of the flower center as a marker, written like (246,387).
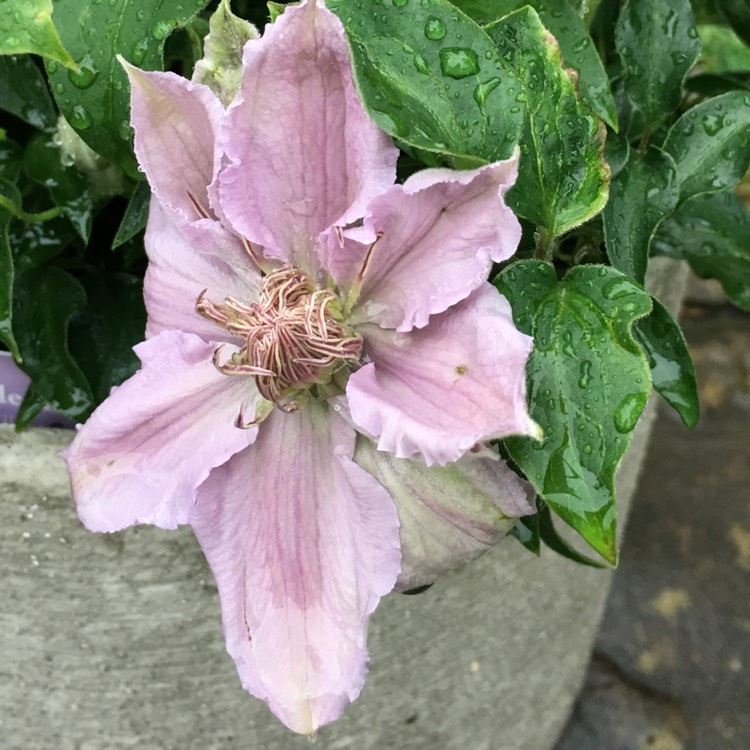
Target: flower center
(294,336)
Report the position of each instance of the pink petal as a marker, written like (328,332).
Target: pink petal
(181,267)
(449,514)
(145,450)
(303,543)
(440,233)
(304,153)
(437,391)
(175,124)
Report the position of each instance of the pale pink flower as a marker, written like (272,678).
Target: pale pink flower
(320,425)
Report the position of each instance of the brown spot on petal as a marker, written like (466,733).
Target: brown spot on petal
(461,369)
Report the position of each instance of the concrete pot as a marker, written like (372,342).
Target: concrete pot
(114,641)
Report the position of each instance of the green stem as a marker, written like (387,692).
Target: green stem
(19,213)
(545,245)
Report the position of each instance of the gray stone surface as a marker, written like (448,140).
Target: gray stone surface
(671,665)
(114,641)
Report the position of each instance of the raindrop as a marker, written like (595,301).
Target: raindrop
(425,3)
(399,3)
(712,124)
(581,45)
(434,29)
(679,58)
(458,62)
(483,90)
(13,41)
(162,29)
(59,88)
(125,131)
(628,411)
(616,288)
(86,75)
(585,376)
(79,118)
(139,51)
(567,347)
(51,66)
(421,65)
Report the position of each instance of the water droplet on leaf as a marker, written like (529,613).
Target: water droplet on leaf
(162,29)
(628,411)
(421,65)
(138,52)
(86,74)
(712,124)
(80,118)
(483,90)
(434,29)
(458,62)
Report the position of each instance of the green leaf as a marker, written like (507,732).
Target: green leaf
(102,337)
(45,301)
(7,271)
(136,215)
(711,232)
(658,43)
(737,12)
(67,187)
(641,196)
(429,76)
(96,100)
(563,178)
(577,47)
(722,50)
(588,384)
(23,92)
(711,144)
(672,369)
(221,67)
(527,532)
(548,534)
(31,407)
(26,26)
(35,244)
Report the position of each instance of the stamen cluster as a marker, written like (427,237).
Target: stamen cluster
(294,336)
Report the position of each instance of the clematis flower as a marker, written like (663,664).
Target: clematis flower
(324,362)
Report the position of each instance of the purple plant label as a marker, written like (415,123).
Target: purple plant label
(13,385)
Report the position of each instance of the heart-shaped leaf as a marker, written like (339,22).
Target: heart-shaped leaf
(563,178)
(588,384)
